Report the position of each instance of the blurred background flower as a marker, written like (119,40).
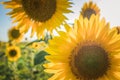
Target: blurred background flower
(15,34)
(89,8)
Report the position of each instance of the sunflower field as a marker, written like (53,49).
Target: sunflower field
(86,49)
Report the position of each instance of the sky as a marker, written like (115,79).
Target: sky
(109,9)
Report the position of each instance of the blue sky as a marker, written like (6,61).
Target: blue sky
(5,23)
(109,10)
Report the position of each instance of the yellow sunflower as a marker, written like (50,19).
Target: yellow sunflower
(39,45)
(40,14)
(15,34)
(13,53)
(90,8)
(35,45)
(90,51)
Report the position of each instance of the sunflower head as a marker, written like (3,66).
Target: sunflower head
(15,34)
(89,9)
(39,10)
(89,61)
(35,45)
(41,15)
(89,51)
(39,45)
(13,53)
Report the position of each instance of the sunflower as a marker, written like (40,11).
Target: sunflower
(40,14)
(90,51)
(13,53)
(90,8)
(39,45)
(35,45)
(15,34)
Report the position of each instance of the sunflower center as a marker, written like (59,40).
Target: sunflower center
(12,53)
(88,12)
(36,45)
(39,10)
(89,62)
(15,33)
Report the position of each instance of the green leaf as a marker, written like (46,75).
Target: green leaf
(40,57)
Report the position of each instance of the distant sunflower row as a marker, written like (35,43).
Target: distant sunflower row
(13,51)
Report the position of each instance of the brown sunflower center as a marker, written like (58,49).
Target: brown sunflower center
(36,45)
(12,53)
(88,12)
(15,33)
(89,62)
(39,10)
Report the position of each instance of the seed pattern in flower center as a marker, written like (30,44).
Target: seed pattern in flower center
(88,12)
(39,10)
(15,33)
(12,53)
(89,62)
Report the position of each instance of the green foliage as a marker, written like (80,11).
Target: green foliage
(28,67)
(40,57)
(5,71)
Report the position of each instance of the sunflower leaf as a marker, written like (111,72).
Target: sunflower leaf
(39,58)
